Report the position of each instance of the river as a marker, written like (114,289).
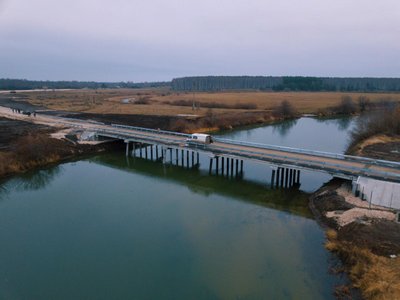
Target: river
(109,227)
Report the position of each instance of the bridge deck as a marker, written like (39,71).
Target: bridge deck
(336,164)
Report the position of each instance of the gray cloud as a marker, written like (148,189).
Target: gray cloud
(158,40)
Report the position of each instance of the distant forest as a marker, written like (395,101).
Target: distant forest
(221,83)
(285,83)
(22,84)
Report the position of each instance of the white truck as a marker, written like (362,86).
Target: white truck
(200,138)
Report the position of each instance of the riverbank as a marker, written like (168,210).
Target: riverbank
(366,238)
(379,146)
(185,124)
(25,146)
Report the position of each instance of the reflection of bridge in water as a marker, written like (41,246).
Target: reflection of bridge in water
(198,181)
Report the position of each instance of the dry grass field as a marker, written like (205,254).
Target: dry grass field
(165,102)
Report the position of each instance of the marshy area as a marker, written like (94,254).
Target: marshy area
(202,111)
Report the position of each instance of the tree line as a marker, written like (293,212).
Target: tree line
(220,83)
(23,84)
(285,83)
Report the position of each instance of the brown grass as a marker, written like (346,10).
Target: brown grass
(161,101)
(31,151)
(377,277)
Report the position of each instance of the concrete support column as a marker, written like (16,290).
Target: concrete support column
(237,167)
(141,149)
(232,166)
(222,164)
(216,164)
(164,155)
(198,157)
(133,153)
(298,177)
(187,159)
(273,178)
(127,148)
(183,157)
(241,167)
(286,176)
(145,151)
(211,163)
(227,166)
(278,173)
(290,177)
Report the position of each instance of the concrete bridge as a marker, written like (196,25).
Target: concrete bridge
(227,156)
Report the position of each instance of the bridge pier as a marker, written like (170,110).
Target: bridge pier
(237,167)
(211,164)
(127,148)
(273,178)
(278,176)
(164,155)
(285,177)
(133,153)
(182,158)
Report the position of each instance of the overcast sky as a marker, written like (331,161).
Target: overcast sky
(151,40)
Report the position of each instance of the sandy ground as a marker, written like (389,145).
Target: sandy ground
(361,209)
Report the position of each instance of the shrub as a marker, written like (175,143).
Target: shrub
(386,121)
(143,100)
(285,110)
(346,106)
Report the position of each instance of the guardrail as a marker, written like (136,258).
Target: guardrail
(156,131)
(378,162)
(123,135)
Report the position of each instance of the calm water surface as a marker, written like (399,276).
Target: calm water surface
(115,228)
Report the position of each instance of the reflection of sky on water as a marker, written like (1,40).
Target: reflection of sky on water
(330,135)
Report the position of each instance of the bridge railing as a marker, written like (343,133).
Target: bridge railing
(378,162)
(312,152)
(140,136)
(156,131)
